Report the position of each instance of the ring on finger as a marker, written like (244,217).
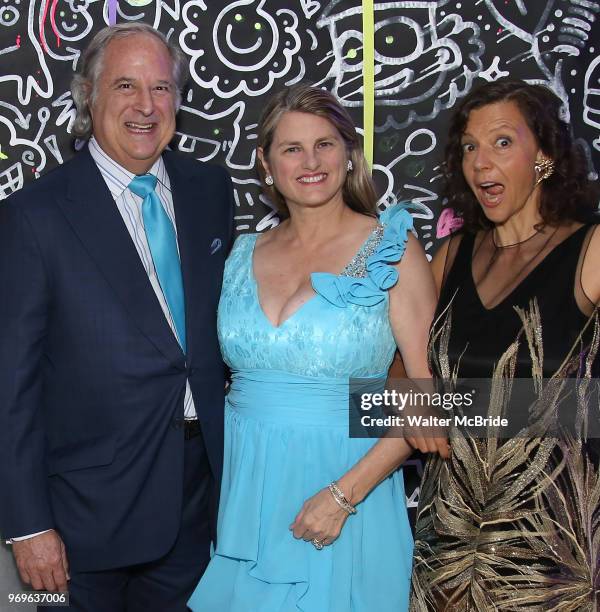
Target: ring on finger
(318,544)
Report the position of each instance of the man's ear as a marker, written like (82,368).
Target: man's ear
(87,87)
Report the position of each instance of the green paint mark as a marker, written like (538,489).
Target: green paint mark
(2,156)
(258,26)
(238,17)
(389,40)
(352,53)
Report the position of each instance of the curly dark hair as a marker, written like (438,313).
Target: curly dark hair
(566,195)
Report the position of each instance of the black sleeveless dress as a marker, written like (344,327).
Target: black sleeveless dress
(514,523)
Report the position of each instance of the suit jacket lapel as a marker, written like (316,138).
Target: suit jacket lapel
(193,235)
(90,209)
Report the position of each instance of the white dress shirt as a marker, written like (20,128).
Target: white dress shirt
(130,206)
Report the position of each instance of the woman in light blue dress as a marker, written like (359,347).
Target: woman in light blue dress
(324,297)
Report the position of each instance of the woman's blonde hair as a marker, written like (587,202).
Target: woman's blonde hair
(358,191)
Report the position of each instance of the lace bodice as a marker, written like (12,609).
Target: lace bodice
(342,331)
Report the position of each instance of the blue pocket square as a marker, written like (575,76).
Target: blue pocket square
(215,246)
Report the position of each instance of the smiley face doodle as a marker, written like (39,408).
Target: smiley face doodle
(244,50)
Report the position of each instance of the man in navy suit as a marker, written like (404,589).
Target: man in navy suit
(111,380)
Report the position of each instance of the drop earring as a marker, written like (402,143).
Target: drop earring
(349,166)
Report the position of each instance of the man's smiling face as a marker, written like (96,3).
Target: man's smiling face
(133,109)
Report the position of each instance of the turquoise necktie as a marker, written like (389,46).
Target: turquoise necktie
(162,241)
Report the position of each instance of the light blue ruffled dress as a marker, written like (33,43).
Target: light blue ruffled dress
(286,437)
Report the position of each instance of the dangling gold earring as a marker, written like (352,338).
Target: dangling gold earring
(544,168)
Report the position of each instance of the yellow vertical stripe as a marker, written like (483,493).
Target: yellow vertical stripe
(368,24)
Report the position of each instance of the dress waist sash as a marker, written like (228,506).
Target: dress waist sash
(280,397)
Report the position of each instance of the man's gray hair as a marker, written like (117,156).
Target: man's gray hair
(85,80)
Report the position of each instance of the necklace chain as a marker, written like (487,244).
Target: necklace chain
(513,244)
(522,269)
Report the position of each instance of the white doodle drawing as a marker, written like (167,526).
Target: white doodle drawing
(310,7)
(427,55)
(65,103)
(33,155)
(174,11)
(591,98)
(229,66)
(11,180)
(558,34)
(38,80)
(440,57)
(424,135)
(493,72)
(229,144)
(59,29)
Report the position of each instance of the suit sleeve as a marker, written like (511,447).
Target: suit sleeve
(229,210)
(24,305)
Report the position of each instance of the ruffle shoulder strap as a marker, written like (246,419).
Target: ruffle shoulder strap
(381,274)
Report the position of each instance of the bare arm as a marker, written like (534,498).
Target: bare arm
(412,305)
(590,278)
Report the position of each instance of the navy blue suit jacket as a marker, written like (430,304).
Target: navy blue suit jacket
(92,380)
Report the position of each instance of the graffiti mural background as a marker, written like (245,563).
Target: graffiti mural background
(427,55)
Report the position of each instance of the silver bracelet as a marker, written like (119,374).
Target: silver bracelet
(340,498)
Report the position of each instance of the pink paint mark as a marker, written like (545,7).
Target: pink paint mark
(42,26)
(112,12)
(448,223)
(53,22)
(18,41)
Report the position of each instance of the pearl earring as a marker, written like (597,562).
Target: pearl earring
(269,180)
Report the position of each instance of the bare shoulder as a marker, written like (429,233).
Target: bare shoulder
(413,261)
(414,251)
(590,279)
(413,268)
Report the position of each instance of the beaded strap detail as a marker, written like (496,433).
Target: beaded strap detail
(357,267)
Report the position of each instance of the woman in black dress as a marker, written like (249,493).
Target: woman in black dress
(512,520)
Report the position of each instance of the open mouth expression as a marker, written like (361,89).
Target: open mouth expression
(498,156)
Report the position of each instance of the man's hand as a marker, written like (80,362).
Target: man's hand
(42,562)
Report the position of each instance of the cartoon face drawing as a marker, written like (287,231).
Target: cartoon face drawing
(245,50)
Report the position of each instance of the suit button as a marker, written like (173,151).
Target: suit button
(177,423)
